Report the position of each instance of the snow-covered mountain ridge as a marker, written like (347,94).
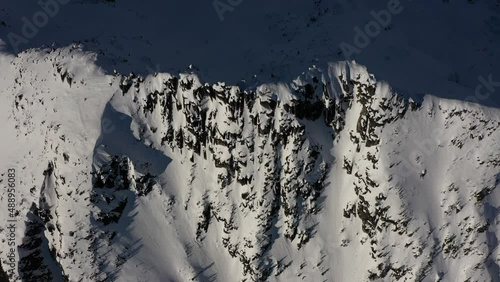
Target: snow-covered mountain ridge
(332,176)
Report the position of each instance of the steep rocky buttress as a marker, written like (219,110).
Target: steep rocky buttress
(283,181)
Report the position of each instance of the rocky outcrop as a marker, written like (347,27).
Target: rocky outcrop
(258,142)
(38,261)
(116,187)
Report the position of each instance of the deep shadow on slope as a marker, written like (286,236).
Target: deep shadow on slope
(117,139)
(116,217)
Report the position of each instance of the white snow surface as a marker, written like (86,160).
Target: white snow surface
(407,190)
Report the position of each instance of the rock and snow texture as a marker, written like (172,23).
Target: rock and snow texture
(330,177)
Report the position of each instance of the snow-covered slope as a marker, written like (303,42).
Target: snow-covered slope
(300,165)
(332,176)
(427,47)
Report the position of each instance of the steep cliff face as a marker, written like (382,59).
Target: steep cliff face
(332,176)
